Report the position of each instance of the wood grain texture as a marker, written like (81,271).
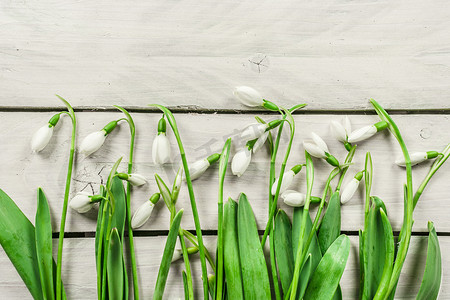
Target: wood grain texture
(80,279)
(332,54)
(23,171)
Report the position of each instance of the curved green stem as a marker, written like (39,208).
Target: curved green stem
(194,241)
(66,199)
(187,266)
(130,122)
(344,170)
(100,251)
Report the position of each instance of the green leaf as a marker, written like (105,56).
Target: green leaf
(165,192)
(114,267)
(232,264)
(44,245)
(119,216)
(331,223)
(431,282)
(17,237)
(185,285)
(254,269)
(167,256)
(283,249)
(305,274)
(326,277)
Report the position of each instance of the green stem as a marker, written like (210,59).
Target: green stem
(194,241)
(273,265)
(347,161)
(99,251)
(187,265)
(198,228)
(130,122)
(66,200)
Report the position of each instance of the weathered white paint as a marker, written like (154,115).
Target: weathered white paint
(333,54)
(23,171)
(79,274)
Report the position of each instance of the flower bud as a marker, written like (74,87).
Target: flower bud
(248,96)
(93,142)
(197,168)
(288,177)
(254,131)
(142,214)
(366,132)
(319,142)
(240,161)
(417,158)
(314,150)
(133,179)
(161,149)
(81,202)
(293,198)
(338,131)
(351,187)
(41,138)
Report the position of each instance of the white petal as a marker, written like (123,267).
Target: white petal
(253,131)
(293,198)
(161,149)
(41,138)
(248,96)
(81,202)
(347,125)
(288,177)
(349,190)
(142,214)
(416,158)
(92,142)
(240,162)
(319,142)
(338,131)
(314,150)
(362,134)
(198,168)
(137,179)
(177,254)
(260,141)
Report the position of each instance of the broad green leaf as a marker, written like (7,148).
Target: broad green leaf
(44,245)
(253,264)
(114,267)
(431,282)
(17,237)
(283,249)
(330,227)
(167,256)
(326,277)
(120,209)
(232,263)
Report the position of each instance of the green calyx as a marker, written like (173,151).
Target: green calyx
(54,120)
(359,175)
(110,127)
(348,146)
(297,169)
(381,125)
(332,160)
(250,144)
(315,199)
(270,105)
(273,124)
(432,154)
(123,176)
(213,158)
(192,250)
(162,126)
(155,198)
(96,198)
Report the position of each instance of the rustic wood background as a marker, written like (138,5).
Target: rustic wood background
(333,55)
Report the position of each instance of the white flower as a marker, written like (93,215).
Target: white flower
(142,214)
(161,149)
(81,202)
(288,177)
(197,168)
(240,162)
(362,134)
(93,142)
(294,198)
(319,142)
(314,150)
(260,141)
(416,158)
(136,179)
(177,254)
(248,96)
(342,130)
(349,190)
(253,131)
(41,138)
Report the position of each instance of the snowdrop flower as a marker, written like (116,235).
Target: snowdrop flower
(251,97)
(341,130)
(351,187)
(293,198)
(366,132)
(95,140)
(42,136)
(241,160)
(142,214)
(318,148)
(133,179)
(178,253)
(416,158)
(199,167)
(161,145)
(288,177)
(83,202)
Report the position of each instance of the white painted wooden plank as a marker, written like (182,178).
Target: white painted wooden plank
(23,171)
(80,278)
(333,54)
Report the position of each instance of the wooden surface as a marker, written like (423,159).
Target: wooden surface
(333,55)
